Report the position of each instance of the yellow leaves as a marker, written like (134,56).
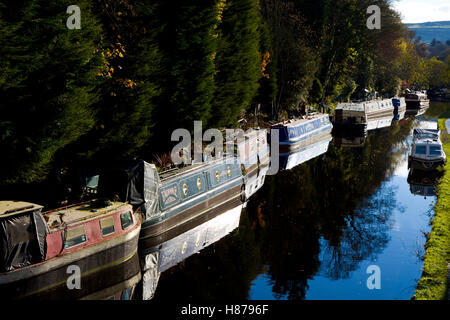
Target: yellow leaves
(108,56)
(220,8)
(264,63)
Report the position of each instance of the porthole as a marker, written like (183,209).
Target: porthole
(183,248)
(185,189)
(229,171)
(217,176)
(199,184)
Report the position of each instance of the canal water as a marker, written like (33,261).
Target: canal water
(320,229)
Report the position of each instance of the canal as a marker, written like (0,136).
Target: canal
(318,230)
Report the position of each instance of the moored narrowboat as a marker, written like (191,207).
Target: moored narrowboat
(296,134)
(417,100)
(253,149)
(179,199)
(426,151)
(359,115)
(38,248)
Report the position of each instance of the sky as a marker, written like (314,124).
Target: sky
(413,11)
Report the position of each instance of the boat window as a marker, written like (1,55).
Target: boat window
(421,149)
(126,220)
(75,237)
(435,150)
(107,226)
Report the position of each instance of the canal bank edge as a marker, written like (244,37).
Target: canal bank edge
(434,283)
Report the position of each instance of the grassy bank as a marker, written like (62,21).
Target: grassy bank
(433,284)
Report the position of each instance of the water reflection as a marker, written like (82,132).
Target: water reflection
(424,183)
(308,232)
(292,159)
(168,254)
(113,283)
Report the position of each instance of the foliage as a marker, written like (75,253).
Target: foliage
(48,84)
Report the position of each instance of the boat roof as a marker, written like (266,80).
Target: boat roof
(298,121)
(360,105)
(80,212)
(176,172)
(9,208)
(426,135)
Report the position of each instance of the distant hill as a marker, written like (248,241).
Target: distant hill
(440,30)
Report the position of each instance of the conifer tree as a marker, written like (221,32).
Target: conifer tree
(238,60)
(47,83)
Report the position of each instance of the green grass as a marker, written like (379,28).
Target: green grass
(433,283)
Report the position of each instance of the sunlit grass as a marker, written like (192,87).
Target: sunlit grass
(434,283)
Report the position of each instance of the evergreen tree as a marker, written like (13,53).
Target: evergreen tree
(132,72)
(47,84)
(238,60)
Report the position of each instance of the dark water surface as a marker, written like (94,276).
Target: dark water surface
(311,232)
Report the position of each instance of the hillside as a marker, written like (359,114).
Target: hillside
(440,30)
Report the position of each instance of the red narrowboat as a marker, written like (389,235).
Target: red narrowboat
(37,249)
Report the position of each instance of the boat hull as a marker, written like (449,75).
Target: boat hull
(51,276)
(303,142)
(424,165)
(154,233)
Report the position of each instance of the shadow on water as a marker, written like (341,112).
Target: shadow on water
(308,233)
(312,230)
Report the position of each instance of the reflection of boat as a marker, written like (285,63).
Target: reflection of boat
(348,140)
(253,149)
(179,199)
(299,133)
(165,255)
(423,183)
(362,116)
(116,282)
(399,108)
(37,248)
(426,150)
(292,159)
(255,181)
(417,101)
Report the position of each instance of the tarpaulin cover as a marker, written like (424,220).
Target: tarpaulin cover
(137,184)
(22,240)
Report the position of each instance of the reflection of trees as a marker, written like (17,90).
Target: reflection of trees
(328,198)
(363,237)
(222,270)
(324,216)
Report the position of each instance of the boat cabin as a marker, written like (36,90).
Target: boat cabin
(295,130)
(23,234)
(426,150)
(76,227)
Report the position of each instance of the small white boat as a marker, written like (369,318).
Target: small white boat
(426,151)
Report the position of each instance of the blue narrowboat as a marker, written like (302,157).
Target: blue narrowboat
(299,133)
(252,148)
(179,199)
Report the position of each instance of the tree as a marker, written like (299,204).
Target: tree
(47,84)
(237,60)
